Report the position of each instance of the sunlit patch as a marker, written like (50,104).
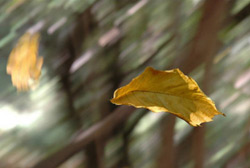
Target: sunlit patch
(241,108)
(10,119)
(25,120)
(147,122)
(195,2)
(181,130)
(243,79)
(109,37)
(82,60)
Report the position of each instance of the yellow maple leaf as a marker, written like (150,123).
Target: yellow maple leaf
(169,91)
(24,65)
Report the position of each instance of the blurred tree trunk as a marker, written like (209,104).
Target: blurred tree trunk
(203,49)
(198,146)
(167,155)
(83,26)
(205,41)
(105,107)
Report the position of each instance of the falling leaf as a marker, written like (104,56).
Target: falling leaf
(24,65)
(169,91)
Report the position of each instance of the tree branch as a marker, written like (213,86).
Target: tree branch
(105,126)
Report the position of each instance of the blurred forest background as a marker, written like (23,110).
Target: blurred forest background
(92,47)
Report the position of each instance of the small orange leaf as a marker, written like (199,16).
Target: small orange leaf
(23,65)
(169,91)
